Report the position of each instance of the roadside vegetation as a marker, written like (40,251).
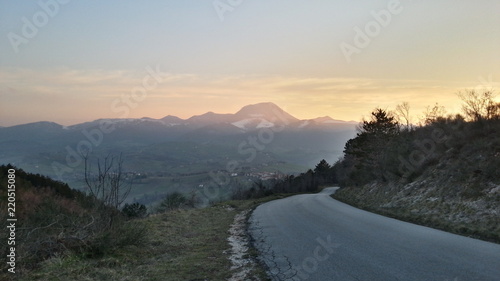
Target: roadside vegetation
(66,234)
(181,244)
(310,181)
(442,173)
(55,221)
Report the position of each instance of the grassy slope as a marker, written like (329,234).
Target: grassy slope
(454,187)
(453,216)
(178,245)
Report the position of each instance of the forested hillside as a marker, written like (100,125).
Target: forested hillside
(442,173)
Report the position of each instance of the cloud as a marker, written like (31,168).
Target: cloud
(68,95)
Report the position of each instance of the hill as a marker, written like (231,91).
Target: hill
(52,220)
(443,174)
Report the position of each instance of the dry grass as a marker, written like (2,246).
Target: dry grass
(179,245)
(450,214)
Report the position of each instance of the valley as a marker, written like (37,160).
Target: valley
(161,156)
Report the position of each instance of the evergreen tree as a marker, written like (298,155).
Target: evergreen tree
(366,150)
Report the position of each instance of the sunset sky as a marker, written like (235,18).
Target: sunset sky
(75,61)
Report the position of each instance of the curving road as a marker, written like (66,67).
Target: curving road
(314,237)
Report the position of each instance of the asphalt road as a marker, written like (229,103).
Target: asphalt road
(314,237)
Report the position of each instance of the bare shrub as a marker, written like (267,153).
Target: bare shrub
(479,106)
(402,113)
(108,185)
(433,114)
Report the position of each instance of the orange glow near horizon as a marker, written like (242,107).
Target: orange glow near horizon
(348,99)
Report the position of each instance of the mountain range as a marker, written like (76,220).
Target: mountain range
(248,118)
(263,132)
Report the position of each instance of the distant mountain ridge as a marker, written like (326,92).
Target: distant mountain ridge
(263,131)
(266,114)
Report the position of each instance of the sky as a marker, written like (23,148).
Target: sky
(71,61)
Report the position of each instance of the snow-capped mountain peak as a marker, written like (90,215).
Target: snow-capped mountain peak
(267,112)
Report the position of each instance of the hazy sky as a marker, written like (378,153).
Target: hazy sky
(74,61)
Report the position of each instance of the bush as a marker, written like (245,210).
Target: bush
(175,200)
(135,210)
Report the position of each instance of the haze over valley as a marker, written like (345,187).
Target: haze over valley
(260,141)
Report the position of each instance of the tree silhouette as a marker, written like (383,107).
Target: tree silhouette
(479,106)
(366,150)
(403,114)
(323,172)
(382,123)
